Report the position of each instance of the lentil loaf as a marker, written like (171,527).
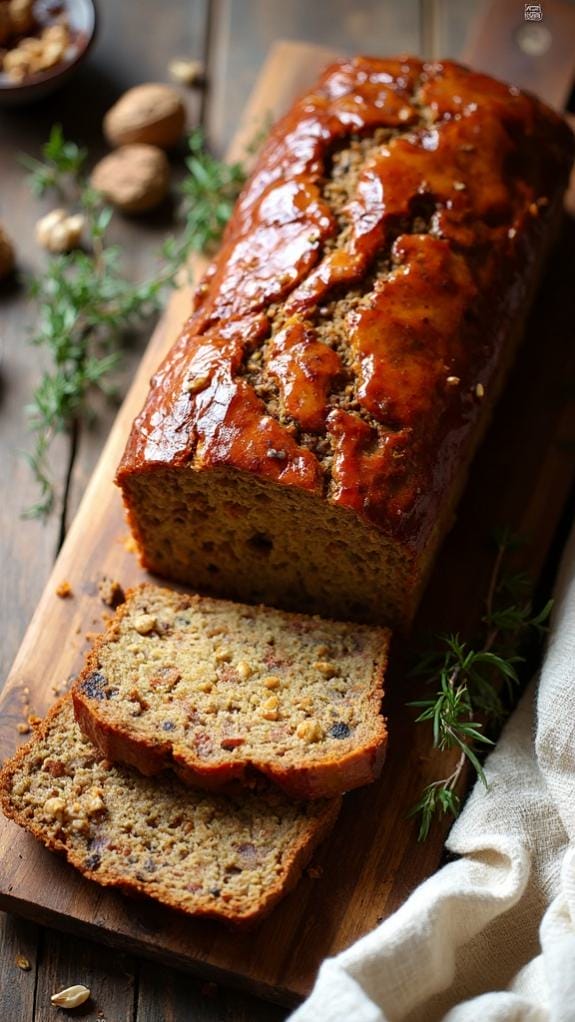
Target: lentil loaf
(223,692)
(306,440)
(200,853)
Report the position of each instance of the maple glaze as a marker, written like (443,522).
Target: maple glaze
(447,217)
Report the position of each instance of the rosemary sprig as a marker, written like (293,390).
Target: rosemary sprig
(472,683)
(86,305)
(207,196)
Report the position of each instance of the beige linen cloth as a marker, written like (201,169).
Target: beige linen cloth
(491,936)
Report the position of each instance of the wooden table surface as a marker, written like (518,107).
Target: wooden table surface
(137,39)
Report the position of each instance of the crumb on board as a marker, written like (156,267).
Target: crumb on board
(111,592)
(64,590)
(23,963)
(23,729)
(208,989)
(314,872)
(129,544)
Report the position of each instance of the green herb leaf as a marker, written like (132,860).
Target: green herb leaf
(469,681)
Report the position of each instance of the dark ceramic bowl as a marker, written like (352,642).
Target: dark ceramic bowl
(81,15)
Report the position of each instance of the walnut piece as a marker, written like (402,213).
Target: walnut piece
(186,72)
(71,997)
(59,231)
(32,54)
(309,731)
(145,623)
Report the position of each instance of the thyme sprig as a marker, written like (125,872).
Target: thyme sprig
(208,193)
(87,305)
(474,685)
(62,164)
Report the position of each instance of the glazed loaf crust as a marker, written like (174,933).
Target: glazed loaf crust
(349,340)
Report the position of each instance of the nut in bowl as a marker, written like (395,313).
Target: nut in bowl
(42,42)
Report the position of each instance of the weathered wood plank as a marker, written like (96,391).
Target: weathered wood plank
(179,999)
(66,962)
(19,942)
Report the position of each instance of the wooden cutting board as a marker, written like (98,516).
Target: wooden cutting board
(523,477)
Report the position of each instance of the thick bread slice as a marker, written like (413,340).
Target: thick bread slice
(221,692)
(203,854)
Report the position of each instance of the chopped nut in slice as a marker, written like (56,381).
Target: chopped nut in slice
(71,997)
(55,807)
(270,708)
(324,667)
(272,681)
(223,656)
(244,670)
(145,623)
(310,731)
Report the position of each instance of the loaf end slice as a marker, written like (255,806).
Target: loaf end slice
(202,854)
(224,692)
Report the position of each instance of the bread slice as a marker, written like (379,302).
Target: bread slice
(204,854)
(221,692)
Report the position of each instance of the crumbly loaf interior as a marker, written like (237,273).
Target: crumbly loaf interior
(220,683)
(203,854)
(229,534)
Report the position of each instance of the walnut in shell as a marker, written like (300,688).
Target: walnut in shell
(6,254)
(134,178)
(153,114)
